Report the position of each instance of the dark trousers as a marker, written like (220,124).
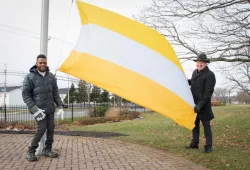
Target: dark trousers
(46,124)
(207,132)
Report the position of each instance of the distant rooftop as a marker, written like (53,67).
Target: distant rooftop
(8,89)
(63,91)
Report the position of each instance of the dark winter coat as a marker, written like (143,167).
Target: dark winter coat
(41,92)
(202,87)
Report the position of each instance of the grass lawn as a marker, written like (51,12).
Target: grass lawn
(231,136)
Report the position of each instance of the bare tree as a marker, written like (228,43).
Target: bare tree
(239,76)
(242,97)
(218,27)
(221,94)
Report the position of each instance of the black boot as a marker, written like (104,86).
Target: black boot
(31,156)
(192,146)
(50,153)
(207,149)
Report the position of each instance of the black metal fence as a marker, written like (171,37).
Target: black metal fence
(21,114)
(17,113)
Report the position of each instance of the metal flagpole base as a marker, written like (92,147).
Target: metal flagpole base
(41,145)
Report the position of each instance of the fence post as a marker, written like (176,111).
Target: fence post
(72,112)
(5,115)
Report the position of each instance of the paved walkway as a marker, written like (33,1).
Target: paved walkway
(84,153)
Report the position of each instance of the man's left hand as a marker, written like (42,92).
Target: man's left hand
(196,110)
(60,112)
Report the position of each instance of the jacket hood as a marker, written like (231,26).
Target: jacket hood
(33,69)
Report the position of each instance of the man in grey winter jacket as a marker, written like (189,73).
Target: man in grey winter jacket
(40,93)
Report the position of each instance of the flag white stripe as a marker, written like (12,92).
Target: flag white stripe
(120,50)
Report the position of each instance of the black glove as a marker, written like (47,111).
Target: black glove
(196,109)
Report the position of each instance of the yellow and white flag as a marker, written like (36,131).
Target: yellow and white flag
(130,60)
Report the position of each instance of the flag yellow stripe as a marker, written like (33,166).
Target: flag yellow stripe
(134,30)
(130,85)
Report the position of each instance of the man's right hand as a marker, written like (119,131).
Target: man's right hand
(39,115)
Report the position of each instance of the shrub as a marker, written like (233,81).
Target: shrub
(96,120)
(223,104)
(99,111)
(130,114)
(125,115)
(18,125)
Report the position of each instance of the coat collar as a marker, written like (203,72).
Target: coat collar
(198,73)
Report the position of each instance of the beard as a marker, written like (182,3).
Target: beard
(41,69)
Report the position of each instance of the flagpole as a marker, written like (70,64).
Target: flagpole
(44,27)
(43,50)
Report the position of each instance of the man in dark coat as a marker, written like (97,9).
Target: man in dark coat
(202,87)
(40,92)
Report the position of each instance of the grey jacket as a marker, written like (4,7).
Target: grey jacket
(41,92)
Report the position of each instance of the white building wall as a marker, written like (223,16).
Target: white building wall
(2,99)
(15,97)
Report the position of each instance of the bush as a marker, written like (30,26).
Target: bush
(130,114)
(218,103)
(17,125)
(99,111)
(125,115)
(93,120)
(223,104)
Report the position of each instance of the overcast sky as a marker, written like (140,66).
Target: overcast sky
(20,22)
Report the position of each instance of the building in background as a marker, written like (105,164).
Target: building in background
(13,96)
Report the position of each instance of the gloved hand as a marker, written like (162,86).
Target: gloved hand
(60,112)
(39,115)
(196,109)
